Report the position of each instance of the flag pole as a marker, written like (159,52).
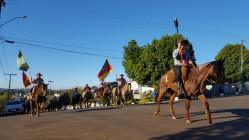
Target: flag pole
(112,67)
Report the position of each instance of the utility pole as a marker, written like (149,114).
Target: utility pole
(9,84)
(242,67)
(50,86)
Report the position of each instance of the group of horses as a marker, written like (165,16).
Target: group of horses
(102,95)
(194,84)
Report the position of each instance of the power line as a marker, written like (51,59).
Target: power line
(59,44)
(64,50)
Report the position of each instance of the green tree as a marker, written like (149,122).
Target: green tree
(231,54)
(131,56)
(147,64)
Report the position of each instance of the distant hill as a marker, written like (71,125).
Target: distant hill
(1,89)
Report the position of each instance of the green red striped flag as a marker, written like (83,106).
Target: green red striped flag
(106,69)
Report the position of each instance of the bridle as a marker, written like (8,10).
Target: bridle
(209,80)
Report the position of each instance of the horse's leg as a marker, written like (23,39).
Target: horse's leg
(31,108)
(204,101)
(95,99)
(171,100)
(115,98)
(123,100)
(161,92)
(187,106)
(126,100)
(37,109)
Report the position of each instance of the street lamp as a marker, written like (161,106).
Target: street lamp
(242,66)
(11,20)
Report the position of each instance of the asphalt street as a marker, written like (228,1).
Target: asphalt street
(137,122)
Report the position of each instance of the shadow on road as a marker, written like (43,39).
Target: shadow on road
(235,129)
(97,109)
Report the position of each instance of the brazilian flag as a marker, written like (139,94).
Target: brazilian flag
(106,69)
(22,65)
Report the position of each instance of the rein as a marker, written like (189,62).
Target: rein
(209,80)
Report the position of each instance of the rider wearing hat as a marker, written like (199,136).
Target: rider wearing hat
(121,81)
(37,81)
(181,57)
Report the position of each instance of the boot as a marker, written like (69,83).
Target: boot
(178,84)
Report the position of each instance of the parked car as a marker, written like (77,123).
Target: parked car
(208,93)
(13,107)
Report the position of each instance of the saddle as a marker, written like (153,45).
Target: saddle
(186,71)
(170,76)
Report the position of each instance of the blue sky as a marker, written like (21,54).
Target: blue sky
(102,28)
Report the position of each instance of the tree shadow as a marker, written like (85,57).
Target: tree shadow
(234,129)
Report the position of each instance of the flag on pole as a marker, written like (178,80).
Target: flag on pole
(106,69)
(26,81)
(22,65)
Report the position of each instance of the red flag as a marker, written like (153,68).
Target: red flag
(26,82)
(106,69)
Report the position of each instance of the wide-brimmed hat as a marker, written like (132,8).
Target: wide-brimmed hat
(121,75)
(39,74)
(182,41)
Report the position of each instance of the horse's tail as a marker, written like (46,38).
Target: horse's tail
(157,94)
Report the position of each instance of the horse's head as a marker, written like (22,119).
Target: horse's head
(218,72)
(43,89)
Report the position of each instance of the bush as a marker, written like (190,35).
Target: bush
(147,95)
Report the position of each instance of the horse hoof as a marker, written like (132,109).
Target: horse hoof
(210,121)
(188,121)
(155,113)
(174,118)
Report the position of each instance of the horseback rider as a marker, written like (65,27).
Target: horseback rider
(181,57)
(121,82)
(37,81)
(76,92)
(86,86)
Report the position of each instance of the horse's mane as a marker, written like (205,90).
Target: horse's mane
(195,71)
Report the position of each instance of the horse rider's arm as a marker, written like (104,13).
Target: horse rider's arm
(189,58)
(176,54)
(116,77)
(33,81)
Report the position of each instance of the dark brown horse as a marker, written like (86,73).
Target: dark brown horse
(194,85)
(87,96)
(37,99)
(102,93)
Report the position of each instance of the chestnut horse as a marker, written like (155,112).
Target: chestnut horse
(194,85)
(103,94)
(87,96)
(37,99)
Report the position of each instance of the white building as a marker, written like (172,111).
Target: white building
(137,90)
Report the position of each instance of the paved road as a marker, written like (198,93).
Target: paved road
(230,121)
